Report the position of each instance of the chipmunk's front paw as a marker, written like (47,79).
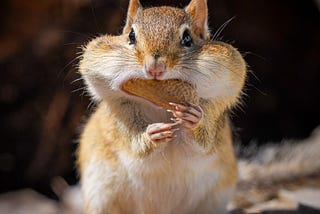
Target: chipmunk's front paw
(161,132)
(188,115)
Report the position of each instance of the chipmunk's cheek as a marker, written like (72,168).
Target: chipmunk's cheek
(96,87)
(215,88)
(172,61)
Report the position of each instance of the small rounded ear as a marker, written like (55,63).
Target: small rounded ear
(133,9)
(198,11)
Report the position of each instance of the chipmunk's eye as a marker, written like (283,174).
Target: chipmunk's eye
(132,37)
(186,39)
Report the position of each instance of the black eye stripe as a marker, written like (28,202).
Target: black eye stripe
(132,37)
(186,39)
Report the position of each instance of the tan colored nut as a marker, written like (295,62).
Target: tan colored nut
(161,92)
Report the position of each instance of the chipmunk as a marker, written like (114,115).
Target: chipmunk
(135,157)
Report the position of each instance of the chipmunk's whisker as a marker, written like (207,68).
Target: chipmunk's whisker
(221,28)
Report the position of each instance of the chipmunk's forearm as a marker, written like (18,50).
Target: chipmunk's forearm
(206,132)
(142,145)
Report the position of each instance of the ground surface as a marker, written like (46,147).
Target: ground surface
(27,201)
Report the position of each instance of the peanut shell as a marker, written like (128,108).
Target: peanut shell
(161,92)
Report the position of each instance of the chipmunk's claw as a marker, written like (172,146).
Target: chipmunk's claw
(161,132)
(188,115)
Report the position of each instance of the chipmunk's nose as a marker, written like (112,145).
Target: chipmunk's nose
(155,72)
(155,66)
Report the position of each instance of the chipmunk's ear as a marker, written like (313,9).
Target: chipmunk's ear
(198,11)
(134,7)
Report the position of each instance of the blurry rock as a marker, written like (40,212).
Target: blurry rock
(72,202)
(304,200)
(70,197)
(306,196)
(280,203)
(27,201)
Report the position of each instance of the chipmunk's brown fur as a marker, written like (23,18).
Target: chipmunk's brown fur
(132,158)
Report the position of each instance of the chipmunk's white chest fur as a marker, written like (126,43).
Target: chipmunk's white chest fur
(175,179)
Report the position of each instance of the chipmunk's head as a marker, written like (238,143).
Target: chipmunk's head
(163,43)
(160,36)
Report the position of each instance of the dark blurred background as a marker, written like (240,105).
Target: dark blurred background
(42,101)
